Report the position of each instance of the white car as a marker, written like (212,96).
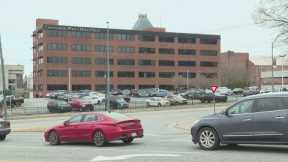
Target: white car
(94,100)
(224,91)
(157,101)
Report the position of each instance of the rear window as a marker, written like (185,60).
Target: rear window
(117,117)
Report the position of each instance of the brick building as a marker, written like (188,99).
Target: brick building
(146,56)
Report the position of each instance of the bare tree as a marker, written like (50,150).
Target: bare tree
(274,14)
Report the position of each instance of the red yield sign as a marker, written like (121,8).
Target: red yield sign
(213,88)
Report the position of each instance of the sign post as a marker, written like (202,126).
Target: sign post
(213,88)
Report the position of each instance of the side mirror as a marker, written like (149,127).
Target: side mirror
(66,123)
(226,113)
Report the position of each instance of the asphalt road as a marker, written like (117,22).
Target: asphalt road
(162,142)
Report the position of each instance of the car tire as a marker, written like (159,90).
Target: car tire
(99,138)
(2,137)
(128,140)
(208,139)
(53,138)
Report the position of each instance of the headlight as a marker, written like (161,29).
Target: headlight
(195,122)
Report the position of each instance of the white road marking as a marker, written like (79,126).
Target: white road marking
(130,156)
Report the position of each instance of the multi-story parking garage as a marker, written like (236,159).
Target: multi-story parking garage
(71,57)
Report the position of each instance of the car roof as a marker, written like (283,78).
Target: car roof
(267,95)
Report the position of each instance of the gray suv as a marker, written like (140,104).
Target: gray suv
(258,119)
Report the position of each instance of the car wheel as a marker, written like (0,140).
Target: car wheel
(99,138)
(208,139)
(127,140)
(53,138)
(2,137)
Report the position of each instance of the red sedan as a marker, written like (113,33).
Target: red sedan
(95,127)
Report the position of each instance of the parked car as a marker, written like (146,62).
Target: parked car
(176,99)
(55,106)
(192,94)
(238,91)
(157,101)
(209,97)
(257,119)
(97,128)
(81,105)
(94,100)
(250,92)
(4,129)
(118,103)
(224,91)
(13,101)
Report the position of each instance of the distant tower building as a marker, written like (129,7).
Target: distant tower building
(142,23)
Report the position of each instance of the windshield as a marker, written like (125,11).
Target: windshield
(117,116)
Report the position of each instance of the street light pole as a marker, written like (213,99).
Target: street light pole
(107,105)
(4,106)
(282,71)
(272,54)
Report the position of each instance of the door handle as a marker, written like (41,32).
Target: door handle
(279,117)
(248,119)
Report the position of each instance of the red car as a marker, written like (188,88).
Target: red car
(81,105)
(95,127)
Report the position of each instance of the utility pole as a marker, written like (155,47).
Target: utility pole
(187,79)
(4,105)
(107,105)
(272,57)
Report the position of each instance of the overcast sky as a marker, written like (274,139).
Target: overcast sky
(232,19)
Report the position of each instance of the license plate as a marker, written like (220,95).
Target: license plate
(134,134)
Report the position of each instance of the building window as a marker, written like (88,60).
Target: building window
(81,47)
(126,50)
(126,62)
(56,73)
(53,87)
(147,50)
(186,63)
(102,61)
(186,52)
(102,74)
(147,38)
(185,74)
(168,39)
(208,41)
(81,73)
(208,64)
(81,60)
(166,87)
(208,53)
(146,86)
(102,87)
(166,63)
(80,34)
(57,60)
(57,33)
(102,48)
(146,74)
(56,47)
(123,36)
(186,40)
(146,62)
(166,51)
(126,86)
(126,74)
(103,36)
(166,74)
(209,75)
(78,87)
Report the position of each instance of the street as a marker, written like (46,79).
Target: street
(162,142)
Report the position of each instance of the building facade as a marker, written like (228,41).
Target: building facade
(13,77)
(145,57)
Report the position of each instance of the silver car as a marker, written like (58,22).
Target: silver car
(257,119)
